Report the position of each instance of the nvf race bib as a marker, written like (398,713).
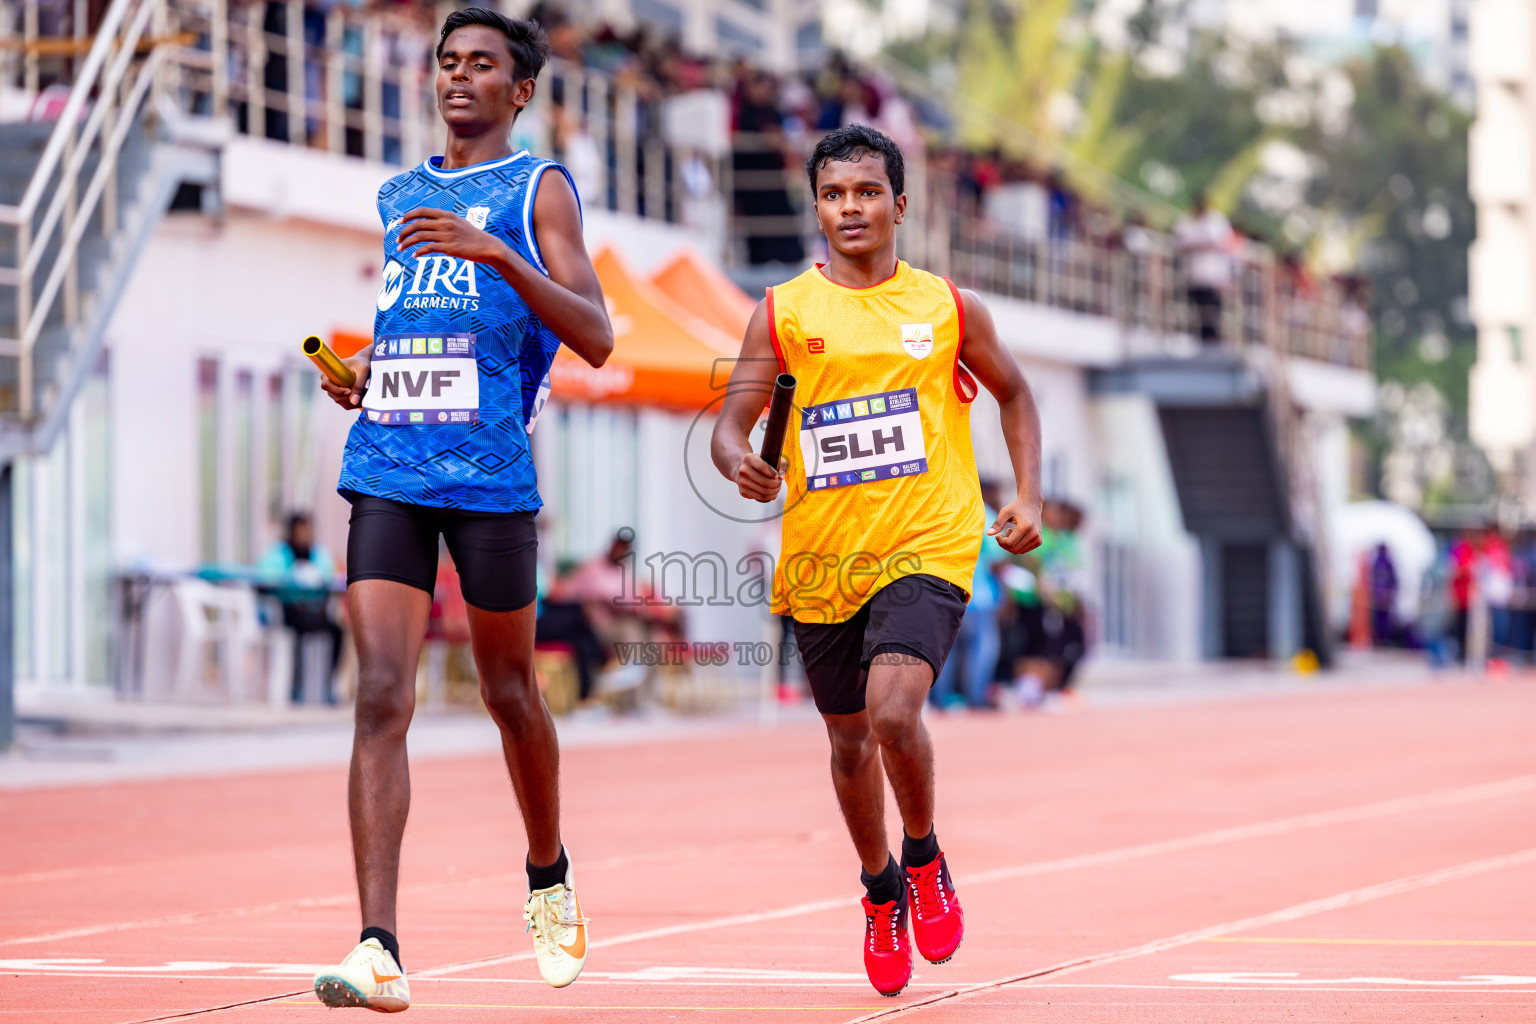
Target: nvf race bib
(423,381)
(861,440)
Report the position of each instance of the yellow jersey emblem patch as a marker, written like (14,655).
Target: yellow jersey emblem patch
(917,339)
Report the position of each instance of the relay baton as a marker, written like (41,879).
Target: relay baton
(778,420)
(336,371)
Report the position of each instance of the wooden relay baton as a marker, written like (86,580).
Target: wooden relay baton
(330,364)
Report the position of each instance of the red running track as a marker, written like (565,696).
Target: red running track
(1326,854)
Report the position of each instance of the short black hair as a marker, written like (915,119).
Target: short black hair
(853,142)
(526,40)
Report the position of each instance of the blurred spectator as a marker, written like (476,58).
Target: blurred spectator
(1522,626)
(449,662)
(1435,612)
(1496,583)
(581,156)
(565,624)
(1065,210)
(1383,597)
(1046,639)
(1204,237)
(1462,559)
(998,199)
(758,161)
(973,659)
(601,602)
(274,74)
(299,573)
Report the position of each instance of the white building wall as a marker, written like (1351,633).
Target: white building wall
(243,291)
(1502,179)
(1141,513)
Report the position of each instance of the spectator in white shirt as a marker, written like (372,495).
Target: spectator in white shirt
(1204,239)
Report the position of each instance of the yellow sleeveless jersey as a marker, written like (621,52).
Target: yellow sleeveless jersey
(882,477)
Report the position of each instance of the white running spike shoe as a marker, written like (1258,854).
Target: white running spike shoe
(559,930)
(368,977)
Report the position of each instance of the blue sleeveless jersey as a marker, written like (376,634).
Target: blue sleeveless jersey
(476,459)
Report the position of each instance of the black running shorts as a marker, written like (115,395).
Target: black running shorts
(915,615)
(492,551)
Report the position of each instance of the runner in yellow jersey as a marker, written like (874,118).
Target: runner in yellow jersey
(880,532)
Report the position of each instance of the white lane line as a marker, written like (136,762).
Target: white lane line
(1338,901)
(798,910)
(861,985)
(196,917)
(1517,991)
(669,855)
(1363,812)
(1294,978)
(1265,829)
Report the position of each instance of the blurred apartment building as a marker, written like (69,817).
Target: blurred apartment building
(1502,262)
(187,190)
(1434,31)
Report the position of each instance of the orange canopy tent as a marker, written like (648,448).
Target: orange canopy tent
(663,354)
(691,281)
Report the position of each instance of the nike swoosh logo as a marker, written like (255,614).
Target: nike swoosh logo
(388,977)
(578,949)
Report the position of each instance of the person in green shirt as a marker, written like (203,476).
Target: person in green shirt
(299,573)
(967,673)
(1046,639)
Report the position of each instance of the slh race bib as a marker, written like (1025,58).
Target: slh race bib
(423,380)
(861,440)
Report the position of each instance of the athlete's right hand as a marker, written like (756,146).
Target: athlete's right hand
(349,398)
(756,479)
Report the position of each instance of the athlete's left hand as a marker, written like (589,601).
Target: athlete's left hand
(442,231)
(1017,527)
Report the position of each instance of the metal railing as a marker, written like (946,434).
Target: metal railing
(1140,279)
(361,83)
(110,84)
(1131,274)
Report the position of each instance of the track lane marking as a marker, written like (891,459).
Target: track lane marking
(1352,897)
(670,855)
(1191,987)
(1266,829)
(1259,830)
(1492,790)
(592,1007)
(1261,940)
(1363,812)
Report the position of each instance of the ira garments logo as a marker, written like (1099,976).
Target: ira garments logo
(394,282)
(917,339)
(438,282)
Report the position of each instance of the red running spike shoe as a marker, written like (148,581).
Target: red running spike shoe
(938,923)
(887,949)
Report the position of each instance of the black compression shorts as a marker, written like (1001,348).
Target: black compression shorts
(492,551)
(915,615)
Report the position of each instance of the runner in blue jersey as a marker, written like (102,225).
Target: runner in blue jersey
(485,276)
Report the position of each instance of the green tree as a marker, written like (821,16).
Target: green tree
(1400,164)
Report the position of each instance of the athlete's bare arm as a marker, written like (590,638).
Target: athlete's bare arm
(996,370)
(569,300)
(745,398)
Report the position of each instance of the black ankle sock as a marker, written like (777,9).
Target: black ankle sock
(549,875)
(886,886)
(917,853)
(386,939)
